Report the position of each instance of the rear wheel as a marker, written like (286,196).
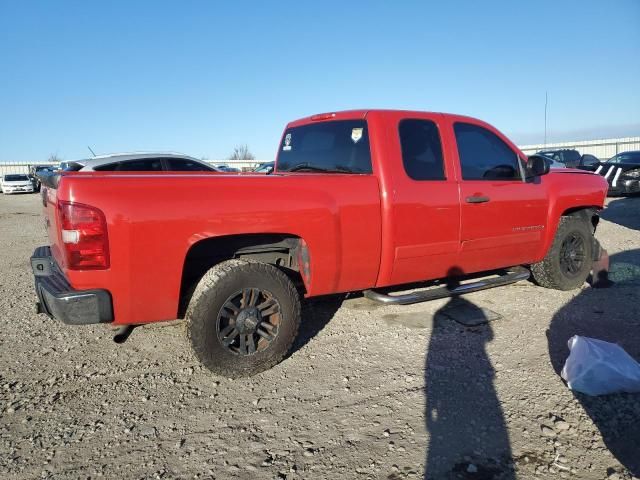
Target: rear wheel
(568,262)
(243,318)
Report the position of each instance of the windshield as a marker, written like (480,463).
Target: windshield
(340,146)
(571,156)
(631,157)
(16,178)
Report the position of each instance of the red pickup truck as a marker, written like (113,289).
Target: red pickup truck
(359,200)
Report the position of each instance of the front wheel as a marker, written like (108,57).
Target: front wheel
(243,318)
(568,262)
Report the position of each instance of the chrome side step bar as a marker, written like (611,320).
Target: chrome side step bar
(512,275)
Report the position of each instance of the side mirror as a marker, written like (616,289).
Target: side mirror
(537,165)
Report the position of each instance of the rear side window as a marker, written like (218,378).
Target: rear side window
(186,165)
(142,165)
(341,145)
(421,149)
(483,155)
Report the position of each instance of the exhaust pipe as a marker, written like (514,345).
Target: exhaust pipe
(123,333)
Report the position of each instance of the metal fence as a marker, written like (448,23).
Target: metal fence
(602,149)
(23,167)
(18,167)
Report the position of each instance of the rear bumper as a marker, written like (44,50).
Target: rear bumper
(59,300)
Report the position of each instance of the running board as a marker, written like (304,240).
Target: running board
(513,275)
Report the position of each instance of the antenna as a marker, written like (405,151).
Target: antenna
(94,154)
(546,97)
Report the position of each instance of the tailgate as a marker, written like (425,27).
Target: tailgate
(49,194)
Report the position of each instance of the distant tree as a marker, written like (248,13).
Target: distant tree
(241,152)
(54,158)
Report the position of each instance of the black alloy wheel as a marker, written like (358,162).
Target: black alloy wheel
(248,321)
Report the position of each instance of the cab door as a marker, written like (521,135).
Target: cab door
(503,217)
(425,207)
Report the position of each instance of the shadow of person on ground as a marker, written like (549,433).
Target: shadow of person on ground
(468,437)
(612,315)
(623,211)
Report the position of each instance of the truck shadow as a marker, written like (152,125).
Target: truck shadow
(316,314)
(623,211)
(468,436)
(612,315)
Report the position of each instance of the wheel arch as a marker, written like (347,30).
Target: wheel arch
(590,213)
(285,251)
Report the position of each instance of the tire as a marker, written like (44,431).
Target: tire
(560,269)
(237,305)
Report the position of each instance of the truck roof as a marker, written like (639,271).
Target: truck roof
(362,113)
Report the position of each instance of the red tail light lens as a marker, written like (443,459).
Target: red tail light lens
(84,236)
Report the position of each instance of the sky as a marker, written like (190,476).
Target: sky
(201,77)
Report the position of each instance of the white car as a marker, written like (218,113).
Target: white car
(140,162)
(16,182)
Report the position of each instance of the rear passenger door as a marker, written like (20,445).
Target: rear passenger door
(503,216)
(426,208)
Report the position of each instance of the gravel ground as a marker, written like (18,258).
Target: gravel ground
(369,392)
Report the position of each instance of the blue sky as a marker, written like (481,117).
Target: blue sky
(202,76)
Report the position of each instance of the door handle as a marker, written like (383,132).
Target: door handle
(477,199)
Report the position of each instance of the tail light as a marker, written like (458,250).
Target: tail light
(84,236)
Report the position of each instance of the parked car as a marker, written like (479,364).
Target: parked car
(235,254)
(140,162)
(622,172)
(552,163)
(228,169)
(34,170)
(570,158)
(266,167)
(15,183)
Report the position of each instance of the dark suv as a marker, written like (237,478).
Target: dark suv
(570,158)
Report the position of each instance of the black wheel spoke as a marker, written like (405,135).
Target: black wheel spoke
(243,345)
(231,307)
(227,330)
(251,343)
(230,338)
(266,335)
(269,308)
(268,326)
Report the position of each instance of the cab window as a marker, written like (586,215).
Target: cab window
(421,149)
(483,155)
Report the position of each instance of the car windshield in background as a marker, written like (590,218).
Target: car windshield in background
(571,156)
(16,178)
(631,157)
(340,146)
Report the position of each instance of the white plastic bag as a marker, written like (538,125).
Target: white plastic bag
(596,367)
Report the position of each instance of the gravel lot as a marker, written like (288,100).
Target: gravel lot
(369,392)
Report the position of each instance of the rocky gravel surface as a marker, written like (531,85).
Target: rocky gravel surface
(369,392)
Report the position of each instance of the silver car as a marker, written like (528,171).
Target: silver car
(140,162)
(15,183)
